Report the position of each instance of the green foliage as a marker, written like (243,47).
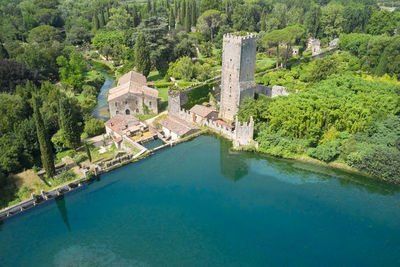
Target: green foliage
(44,140)
(44,35)
(87,149)
(142,56)
(206,49)
(326,152)
(79,158)
(199,95)
(94,127)
(185,69)
(70,119)
(72,71)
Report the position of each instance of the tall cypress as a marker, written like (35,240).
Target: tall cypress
(148,6)
(143,64)
(70,121)
(44,139)
(194,13)
(96,22)
(188,15)
(102,22)
(171,19)
(135,16)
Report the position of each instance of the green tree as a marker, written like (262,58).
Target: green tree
(382,22)
(44,35)
(89,155)
(72,71)
(44,140)
(142,53)
(70,120)
(332,20)
(312,20)
(210,21)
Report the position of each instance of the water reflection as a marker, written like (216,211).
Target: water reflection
(233,165)
(60,202)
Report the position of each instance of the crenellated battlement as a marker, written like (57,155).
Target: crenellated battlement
(237,36)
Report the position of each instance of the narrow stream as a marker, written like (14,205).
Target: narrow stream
(100,111)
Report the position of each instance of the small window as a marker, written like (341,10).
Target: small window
(150,104)
(127,112)
(116,104)
(117,112)
(137,110)
(231,60)
(126,102)
(136,102)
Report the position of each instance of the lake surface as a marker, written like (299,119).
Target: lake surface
(199,204)
(100,111)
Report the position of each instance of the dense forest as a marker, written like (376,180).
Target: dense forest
(346,108)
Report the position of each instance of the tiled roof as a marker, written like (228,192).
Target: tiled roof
(121,124)
(134,83)
(178,126)
(201,110)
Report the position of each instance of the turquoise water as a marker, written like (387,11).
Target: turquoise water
(198,204)
(100,111)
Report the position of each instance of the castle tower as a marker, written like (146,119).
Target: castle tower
(238,66)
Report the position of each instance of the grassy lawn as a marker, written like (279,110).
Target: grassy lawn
(107,155)
(263,60)
(155,76)
(145,117)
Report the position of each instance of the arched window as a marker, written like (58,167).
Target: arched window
(150,104)
(127,112)
(137,110)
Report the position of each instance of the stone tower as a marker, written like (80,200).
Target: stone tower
(238,66)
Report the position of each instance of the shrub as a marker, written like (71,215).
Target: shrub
(94,127)
(326,152)
(94,54)
(79,158)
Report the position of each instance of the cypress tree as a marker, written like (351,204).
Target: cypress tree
(70,121)
(182,13)
(171,19)
(88,152)
(188,15)
(143,64)
(44,140)
(148,6)
(194,13)
(135,17)
(101,19)
(154,8)
(96,22)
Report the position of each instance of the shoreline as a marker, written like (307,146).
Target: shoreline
(61,190)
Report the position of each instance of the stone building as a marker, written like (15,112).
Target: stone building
(174,127)
(313,45)
(238,67)
(123,125)
(132,96)
(203,113)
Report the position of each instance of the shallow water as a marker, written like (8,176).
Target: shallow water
(100,111)
(153,144)
(198,204)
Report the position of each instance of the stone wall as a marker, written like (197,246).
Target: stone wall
(242,135)
(238,67)
(132,104)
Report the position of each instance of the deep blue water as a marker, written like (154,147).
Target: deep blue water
(198,204)
(100,111)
